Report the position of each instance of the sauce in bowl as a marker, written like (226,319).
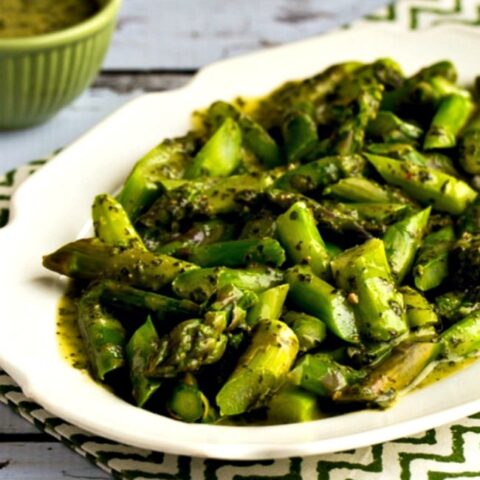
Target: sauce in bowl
(26,18)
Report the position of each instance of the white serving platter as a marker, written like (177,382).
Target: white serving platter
(51,208)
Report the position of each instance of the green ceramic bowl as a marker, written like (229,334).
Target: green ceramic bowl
(41,74)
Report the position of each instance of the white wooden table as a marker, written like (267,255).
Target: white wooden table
(159,44)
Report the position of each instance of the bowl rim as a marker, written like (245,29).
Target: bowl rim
(93,24)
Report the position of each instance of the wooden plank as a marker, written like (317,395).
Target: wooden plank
(12,423)
(45,461)
(181,34)
(108,94)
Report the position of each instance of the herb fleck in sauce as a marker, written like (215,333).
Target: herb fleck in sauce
(26,18)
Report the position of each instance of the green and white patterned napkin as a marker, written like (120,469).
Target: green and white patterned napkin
(448,452)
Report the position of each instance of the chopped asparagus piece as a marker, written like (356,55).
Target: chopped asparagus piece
(320,299)
(293,405)
(261,370)
(144,184)
(402,240)
(220,156)
(419,311)
(202,284)
(90,259)
(451,116)
(320,374)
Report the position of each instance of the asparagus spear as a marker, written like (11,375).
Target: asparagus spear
(203,283)
(445,192)
(376,215)
(470,220)
(254,136)
(350,135)
(259,226)
(143,185)
(269,305)
(320,173)
(330,217)
(270,110)
(200,233)
(141,346)
(293,405)
(387,127)
(451,116)
(220,156)
(161,306)
(402,240)
(299,134)
(404,151)
(310,331)
(235,194)
(358,189)
(393,99)
(91,259)
(453,306)
(430,92)
(439,161)
(394,374)
(187,402)
(399,151)
(261,369)
(299,235)
(320,374)
(462,338)
(103,335)
(444,69)
(469,157)
(364,272)
(230,305)
(431,266)
(333,250)
(419,311)
(189,346)
(112,224)
(371,353)
(318,298)
(465,261)
(237,253)
(385,70)
(232,194)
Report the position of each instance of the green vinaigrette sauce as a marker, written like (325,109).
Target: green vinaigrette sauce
(26,18)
